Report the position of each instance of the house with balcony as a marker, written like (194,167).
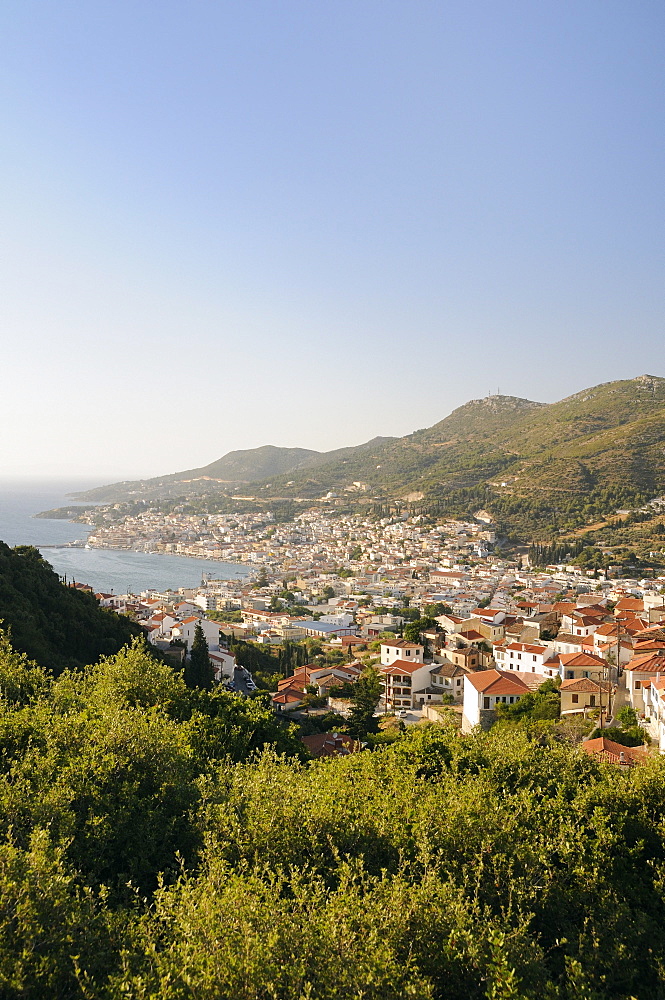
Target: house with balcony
(573,666)
(400,681)
(223,664)
(654,708)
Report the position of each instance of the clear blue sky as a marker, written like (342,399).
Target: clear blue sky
(226,224)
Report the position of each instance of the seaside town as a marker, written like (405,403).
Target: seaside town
(456,628)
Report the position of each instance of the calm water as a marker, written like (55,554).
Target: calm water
(20,500)
(103,569)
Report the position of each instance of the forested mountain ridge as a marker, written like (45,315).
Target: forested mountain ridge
(232,470)
(540,468)
(462,447)
(55,625)
(516,438)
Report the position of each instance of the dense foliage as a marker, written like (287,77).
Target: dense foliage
(163,842)
(55,625)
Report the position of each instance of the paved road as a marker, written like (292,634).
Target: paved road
(240,678)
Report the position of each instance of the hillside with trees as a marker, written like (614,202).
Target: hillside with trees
(233,469)
(540,469)
(56,625)
(535,466)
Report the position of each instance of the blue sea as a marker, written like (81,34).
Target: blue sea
(111,571)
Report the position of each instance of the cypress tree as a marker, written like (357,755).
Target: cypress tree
(198,670)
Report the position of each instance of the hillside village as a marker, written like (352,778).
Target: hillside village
(494,628)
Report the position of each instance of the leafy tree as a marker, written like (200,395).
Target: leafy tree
(413,630)
(409,614)
(434,610)
(545,703)
(43,910)
(198,669)
(632,736)
(21,681)
(627,716)
(366,694)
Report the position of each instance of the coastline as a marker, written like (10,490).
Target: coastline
(151,552)
(84,544)
(144,552)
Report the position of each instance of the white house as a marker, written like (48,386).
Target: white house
(567,643)
(185,630)
(576,665)
(579,624)
(638,675)
(654,706)
(412,652)
(185,609)
(485,689)
(160,624)
(526,657)
(342,620)
(206,601)
(223,664)
(608,637)
(489,616)
(448,678)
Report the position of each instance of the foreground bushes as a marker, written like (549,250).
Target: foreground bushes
(163,843)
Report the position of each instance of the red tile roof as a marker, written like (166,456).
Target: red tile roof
(497,682)
(586,685)
(331,744)
(648,663)
(402,667)
(582,660)
(613,752)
